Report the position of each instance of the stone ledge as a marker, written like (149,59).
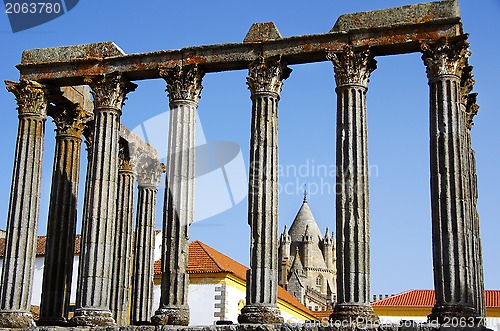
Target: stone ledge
(404,15)
(75,52)
(313,326)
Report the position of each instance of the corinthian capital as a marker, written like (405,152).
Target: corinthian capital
(471,109)
(31,97)
(109,90)
(466,83)
(445,57)
(69,117)
(183,83)
(267,75)
(352,67)
(149,172)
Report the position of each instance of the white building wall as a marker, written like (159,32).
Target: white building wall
(201,300)
(233,297)
(38,277)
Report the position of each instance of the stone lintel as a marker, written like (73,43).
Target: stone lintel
(438,20)
(404,15)
(136,145)
(80,95)
(71,53)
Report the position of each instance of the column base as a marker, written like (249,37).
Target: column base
(355,315)
(16,319)
(449,314)
(171,316)
(52,321)
(92,317)
(256,314)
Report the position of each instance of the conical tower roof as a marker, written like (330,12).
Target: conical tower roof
(304,220)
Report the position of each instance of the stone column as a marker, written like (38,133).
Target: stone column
(93,294)
(470,108)
(148,177)
(184,87)
(22,220)
(123,249)
(352,72)
(70,122)
(450,197)
(264,81)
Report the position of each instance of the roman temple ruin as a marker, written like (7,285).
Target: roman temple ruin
(48,78)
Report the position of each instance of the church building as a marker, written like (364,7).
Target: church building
(307,262)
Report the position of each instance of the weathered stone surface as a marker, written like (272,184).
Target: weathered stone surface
(24,207)
(92,317)
(362,315)
(264,81)
(123,249)
(171,316)
(450,194)
(94,277)
(400,16)
(352,70)
(16,319)
(260,32)
(256,314)
(148,177)
(433,28)
(184,87)
(470,108)
(408,29)
(70,120)
(67,53)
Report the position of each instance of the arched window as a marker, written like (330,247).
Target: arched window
(319,280)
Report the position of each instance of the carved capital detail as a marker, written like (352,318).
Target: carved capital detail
(267,75)
(126,165)
(467,98)
(352,67)
(471,109)
(183,83)
(445,57)
(70,119)
(109,90)
(31,97)
(466,83)
(88,133)
(125,159)
(149,172)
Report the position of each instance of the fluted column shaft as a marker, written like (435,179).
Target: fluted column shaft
(148,178)
(470,108)
(94,278)
(264,81)
(122,257)
(450,190)
(61,226)
(352,72)
(184,87)
(24,206)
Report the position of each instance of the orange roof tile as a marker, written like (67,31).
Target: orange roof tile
(427,298)
(40,245)
(204,259)
(322,315)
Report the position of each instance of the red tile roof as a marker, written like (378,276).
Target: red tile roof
(40,245)
(203,259)
(427,298)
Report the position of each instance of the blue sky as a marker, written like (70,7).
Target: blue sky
(397,120)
